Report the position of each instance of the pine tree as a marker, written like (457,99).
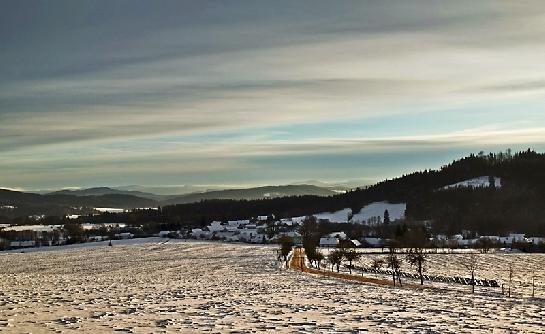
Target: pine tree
(386,217)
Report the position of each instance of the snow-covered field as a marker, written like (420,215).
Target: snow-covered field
(528,269)
(213,287)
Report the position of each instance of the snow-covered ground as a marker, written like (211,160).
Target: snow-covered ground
(376,209)
(491,266)
(340,216)
(477,182)
(113,210)
(99,244)
(373,210)
(221,288)
(35,228)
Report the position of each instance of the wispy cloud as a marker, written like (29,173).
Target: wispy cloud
(135,90)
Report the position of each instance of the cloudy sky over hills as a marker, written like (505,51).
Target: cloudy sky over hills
(262,92)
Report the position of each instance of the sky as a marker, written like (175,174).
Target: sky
(96,93)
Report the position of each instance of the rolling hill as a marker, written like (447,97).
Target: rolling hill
(99,191)
(252,193)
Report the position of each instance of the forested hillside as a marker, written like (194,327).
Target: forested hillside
(519,205)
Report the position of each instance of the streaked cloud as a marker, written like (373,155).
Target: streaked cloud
(187,92)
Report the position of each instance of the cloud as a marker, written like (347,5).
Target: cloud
(116,86)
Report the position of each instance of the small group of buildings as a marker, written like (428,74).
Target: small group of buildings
(261,229)
(336,238)
(458,240)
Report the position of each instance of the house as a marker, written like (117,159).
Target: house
(163,234)
(232,238)
(216,226)
(356,243)
(329,242)
(374,242)
(467,242)
(199,233)
(248,234)
(536,240)
(94,238)
(238,222)
(224,235)
(262,218)
(22,244)
(457,237)
(124,235)
(231,228)
(338,235)
(517,237)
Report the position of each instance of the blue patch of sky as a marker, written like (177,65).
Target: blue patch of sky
(505,115)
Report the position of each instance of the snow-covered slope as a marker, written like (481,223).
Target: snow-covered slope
(477,182)
(376,209)
(340,216)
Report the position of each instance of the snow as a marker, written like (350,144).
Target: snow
(478,182)
(96,226)
(220,288)
(340,216)
(376,209)
(112,210)
(35,228)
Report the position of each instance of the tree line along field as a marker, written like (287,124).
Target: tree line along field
(527,270)
(196,287)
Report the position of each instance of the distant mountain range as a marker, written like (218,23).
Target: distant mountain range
(248,193)
(72,200)
(99,191)
(252,193)
(60,204)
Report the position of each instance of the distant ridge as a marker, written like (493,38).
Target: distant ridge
(252,193)
(99,191)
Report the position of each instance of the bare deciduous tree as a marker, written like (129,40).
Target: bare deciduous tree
(417,258)
(318,257)
(350,256)
(335,258)
(472,264)
(511,269)
(377,264)
(394,263)
(286,244)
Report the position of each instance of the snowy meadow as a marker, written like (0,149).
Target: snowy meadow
(229,288)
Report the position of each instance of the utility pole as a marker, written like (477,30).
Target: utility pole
(302,258)
(510,277)
(533,284)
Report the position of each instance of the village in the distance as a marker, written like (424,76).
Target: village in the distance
(361,230)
